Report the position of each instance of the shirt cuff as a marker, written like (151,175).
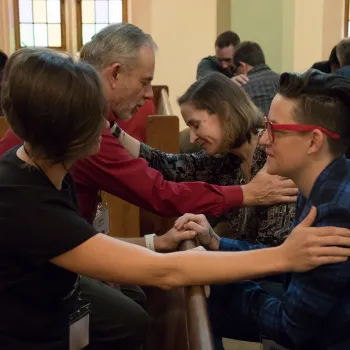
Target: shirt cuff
(233,197)
(227,245)
(145,151)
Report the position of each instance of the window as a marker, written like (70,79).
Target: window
(40,23)
(93,15)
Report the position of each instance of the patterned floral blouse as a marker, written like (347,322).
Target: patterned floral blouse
(258,224)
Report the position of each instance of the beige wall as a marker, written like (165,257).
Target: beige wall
(314,40)
(294,34)
(261,21)
(185,32)
(223,13)
(333,28)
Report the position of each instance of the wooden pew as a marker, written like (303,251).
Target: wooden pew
(3,126)
(180,319)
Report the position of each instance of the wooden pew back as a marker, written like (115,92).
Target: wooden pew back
(180,319)
(3,126)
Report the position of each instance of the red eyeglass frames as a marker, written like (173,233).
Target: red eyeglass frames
(271,127)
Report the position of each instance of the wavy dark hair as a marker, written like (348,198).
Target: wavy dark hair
(217,94)
(322,100)
(55,104)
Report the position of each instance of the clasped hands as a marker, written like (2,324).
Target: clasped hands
(305,248)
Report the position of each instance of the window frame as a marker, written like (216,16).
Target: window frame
(79,20)
(63,46)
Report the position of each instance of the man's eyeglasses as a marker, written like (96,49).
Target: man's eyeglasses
(271,128)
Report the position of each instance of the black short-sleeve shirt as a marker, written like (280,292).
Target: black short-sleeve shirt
(37,222)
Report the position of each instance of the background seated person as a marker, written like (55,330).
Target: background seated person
(222,62)
(227,126)
(263,83)
(307,134)
(329,66)
(45,245)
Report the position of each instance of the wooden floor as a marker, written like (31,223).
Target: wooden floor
(240,345)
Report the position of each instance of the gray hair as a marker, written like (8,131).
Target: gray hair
(343,52)
(119,42)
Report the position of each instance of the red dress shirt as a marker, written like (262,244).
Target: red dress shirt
(114,171)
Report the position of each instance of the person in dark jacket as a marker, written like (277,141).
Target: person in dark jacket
(343,54)
(329,66)
(222,62)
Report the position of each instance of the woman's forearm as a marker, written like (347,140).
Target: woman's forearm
(130,144)
(200,268)
(108,259)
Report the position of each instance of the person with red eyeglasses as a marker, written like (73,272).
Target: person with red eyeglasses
(307,133)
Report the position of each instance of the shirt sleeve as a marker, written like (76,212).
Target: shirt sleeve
(181,167)
(229,245)
(206,66)
(43,226)
(297,316)
(114,171)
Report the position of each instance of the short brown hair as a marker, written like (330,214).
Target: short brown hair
(53,103)
(250,53)
(217,94)
(343,52)
(321,100)
(227,39)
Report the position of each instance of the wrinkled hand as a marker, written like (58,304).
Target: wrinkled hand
(240,79)
(171,240)
(267,189)
(199,223)
(308,247)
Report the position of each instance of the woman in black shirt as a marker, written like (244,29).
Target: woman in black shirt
(57,107)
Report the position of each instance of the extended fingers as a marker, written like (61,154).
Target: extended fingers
(289,191)
(185,235)
(331,231)
(287,183)
(323,260)
(332,251)
(195,227)
(286,199)
(181,221)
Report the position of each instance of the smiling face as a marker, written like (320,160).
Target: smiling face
(205,128)
(225,56)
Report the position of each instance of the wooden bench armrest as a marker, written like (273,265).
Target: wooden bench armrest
(199,330)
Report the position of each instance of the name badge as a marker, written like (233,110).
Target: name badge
(101,221)
(79,328)
(268,344)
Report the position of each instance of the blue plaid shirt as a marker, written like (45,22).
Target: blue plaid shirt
(314,312)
